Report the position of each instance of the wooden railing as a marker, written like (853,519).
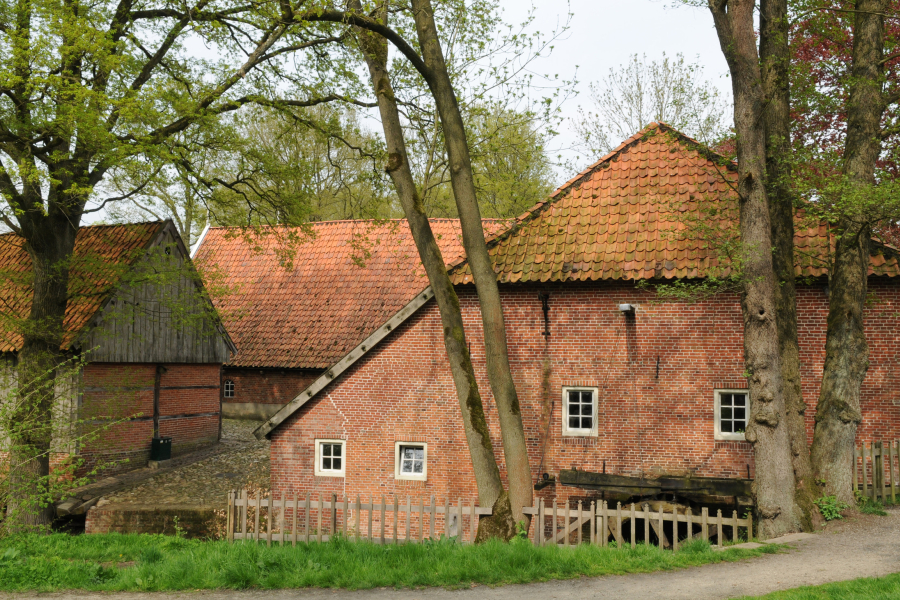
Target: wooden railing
(320,518)
(876,470)
(567,522)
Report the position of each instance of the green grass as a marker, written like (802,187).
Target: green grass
(882,588)
(58,562)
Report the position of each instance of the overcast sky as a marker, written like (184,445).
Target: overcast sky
(604,33)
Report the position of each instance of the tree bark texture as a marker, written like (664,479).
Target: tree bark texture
(838,411)
(775,61)
(50,241)
(487,473)
(499,373)
(766,429)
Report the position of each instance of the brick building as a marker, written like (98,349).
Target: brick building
(144,343)
(298,299)
(614,380)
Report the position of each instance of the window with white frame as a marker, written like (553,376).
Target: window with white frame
(229,388)
(579,411)
(411,460)
(732,411)
(330,458)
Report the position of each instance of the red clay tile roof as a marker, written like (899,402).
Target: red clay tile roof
(340,283)
(628,217)
(102,252)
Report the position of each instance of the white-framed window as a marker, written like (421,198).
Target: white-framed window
(411,460)
(579,411)
(732,412)
(331,458)
(228,388)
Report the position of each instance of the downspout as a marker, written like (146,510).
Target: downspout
(156,384)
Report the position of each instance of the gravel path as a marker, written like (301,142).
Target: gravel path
(867,546)
(242,462)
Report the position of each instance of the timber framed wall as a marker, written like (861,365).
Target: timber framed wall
(655,374)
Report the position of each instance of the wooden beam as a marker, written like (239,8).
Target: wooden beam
(640,485)
(344,363)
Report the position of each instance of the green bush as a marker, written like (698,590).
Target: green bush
(831,507)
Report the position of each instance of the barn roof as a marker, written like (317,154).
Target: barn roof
(651,208)
(302,297)
(102,254)
(658,206)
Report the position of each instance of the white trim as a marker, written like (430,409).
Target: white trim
(317,467)
(565,411)
(410,476)
(193,251)
(734,437)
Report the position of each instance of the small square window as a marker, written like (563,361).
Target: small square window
(411,460)
(579,411)
(330,458)
(732,411)
(228,388)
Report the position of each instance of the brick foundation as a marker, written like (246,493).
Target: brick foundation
(655,374)
(194,522)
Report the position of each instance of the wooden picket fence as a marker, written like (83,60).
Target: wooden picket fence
(876,470)
(567,522)
(320,518)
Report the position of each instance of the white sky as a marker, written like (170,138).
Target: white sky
(604,33)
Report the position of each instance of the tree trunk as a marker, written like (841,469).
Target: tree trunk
(775,61)
(50,243)
(487,473)
(774,483)
(846,352)
(515,449)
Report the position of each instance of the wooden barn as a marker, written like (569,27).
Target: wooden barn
(298,299)
(144,343)
(623,392)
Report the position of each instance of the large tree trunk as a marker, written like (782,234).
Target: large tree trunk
(766,429)
(775,61)
(846,352)
(515,449)
(487,473)
(50,242)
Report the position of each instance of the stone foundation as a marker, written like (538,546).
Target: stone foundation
(193,521)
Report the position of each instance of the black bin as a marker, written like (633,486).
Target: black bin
(161,448)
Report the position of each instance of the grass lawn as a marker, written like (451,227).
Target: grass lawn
(882,588)
(155,562)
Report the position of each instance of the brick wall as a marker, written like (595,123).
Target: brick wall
(268,386)
(189,407)
(655,374)
(194,522)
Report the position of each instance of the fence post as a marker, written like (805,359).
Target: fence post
(874,470)
(881,470)
(319,507)
(294,522)
(346,520)
(633,526)
(408,513)
(281,517)
(604,522)
(356,516)
(421,520)
(674,528)
(555,527)
(661,532)
(433,510)
(893,475)
(242,514)
(704,523)
(382,520)
(371,536)
(619,539)
(855,469)
(229,520)
(750,525)
(306,507)
(646,524)
(567,520)
(734,530)
(719,528)
(865,473)
(256,518)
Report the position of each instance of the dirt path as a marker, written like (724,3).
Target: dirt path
(868,546)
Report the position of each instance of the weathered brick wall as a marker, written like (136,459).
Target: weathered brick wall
(650,420)
(192,521)
(189,407)
(266,386)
